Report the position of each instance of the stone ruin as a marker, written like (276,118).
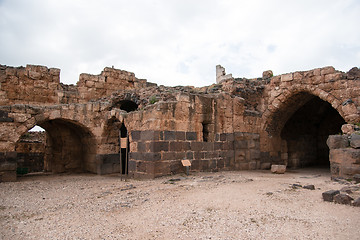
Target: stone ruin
(116,123)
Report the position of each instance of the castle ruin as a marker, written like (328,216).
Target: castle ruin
(116,123)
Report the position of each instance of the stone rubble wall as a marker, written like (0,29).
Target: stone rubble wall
(40,85)
(232,125)
(344,155)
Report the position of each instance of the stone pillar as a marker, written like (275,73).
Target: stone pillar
(8,166)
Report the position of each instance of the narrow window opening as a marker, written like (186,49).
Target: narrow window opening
(205,132)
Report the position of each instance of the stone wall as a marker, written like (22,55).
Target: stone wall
(235,124)
(344,154)
(35,84)
(30,152)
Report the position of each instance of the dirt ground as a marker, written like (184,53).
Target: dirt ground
(223,205)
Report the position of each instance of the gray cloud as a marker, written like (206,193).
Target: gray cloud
(180,42)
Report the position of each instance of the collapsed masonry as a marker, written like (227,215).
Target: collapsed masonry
(116,123)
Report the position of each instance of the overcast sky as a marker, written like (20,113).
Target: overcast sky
(179,42)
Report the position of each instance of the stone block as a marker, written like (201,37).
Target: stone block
(191,136)
(8,176)
(252,165)
(345,156)
(179,146)
(152,157)
(199,155)
(355,140)
(159,146)
(279,169)
(149,135)
(189,155)
(241,144)
(197,146)
(176,167)
(169,135)
(180,136)
(265,166)
(342,199)
(8,166)
(204,165)
(135,135)
(328,196)
(356,203)
(327,70)
(243,166)
(287,77)
(337,141)
(267,74)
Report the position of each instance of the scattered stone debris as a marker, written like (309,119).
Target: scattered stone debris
(356,203)
(345,195)
(296,186)
(279,169)
(173,180)
(310,187)
(343,199)
(350,189)
(328,196)
(128,187)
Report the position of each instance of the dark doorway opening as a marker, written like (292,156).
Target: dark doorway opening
(127,105)
(306,132)
(124,149)
(205,132)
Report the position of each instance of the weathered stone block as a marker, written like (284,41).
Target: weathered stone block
(151,157)
(8,176)
(287,77)
(356,203)
(337,141)
(159,146)
(169,135)
(197,146)
(191,136)
(279,169)
(329,195)
(265,165)
(355,140)
(199,155)
(180,136)
(8,166)
(135,135)
(327,70)
(342,199)
(149,135)
(345,156)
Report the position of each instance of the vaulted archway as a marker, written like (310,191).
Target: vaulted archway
(298,129)
(69,147)
(305,133)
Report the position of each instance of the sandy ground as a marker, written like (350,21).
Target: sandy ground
(223,205)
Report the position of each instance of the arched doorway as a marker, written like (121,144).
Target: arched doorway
(69,147)
(30,149)
(306,130)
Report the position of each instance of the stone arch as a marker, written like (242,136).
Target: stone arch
(70,145)
(128,102)
(286,103)
(298,123)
